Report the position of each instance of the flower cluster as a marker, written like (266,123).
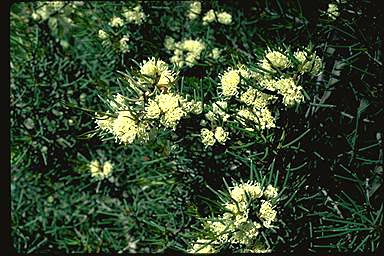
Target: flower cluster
(309,63)
(209,138)
(221,17)
(333,11)
(253,93)
(112,36)
(152,105)
(186,52)
(249,211)
(194,10)
(134,15)
(100,172)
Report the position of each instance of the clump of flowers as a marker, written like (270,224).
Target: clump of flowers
(116,22)
(254,93)
(215,53)
(134,15)
(186,52)
(274,61)
(194,10)
(248,211)
(333,11)
(115,34)
(99,171)
(309,62)
(151,104)
(220,17)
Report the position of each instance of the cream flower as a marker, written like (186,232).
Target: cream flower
(273,60)
(220,135)
(169,43)
(311,64)
(94,167)
(224,18)
(168,102)
(215,53)
(171,118)
(135,15)
(270,192)
(104,122)
(107,168)
(291,92)
(153,110)
(123,43)
(333,11)
(116,22)
(267,214)
(229,82)
(209,17)
(194,10)
(102,34)
(125,127)
(207,137)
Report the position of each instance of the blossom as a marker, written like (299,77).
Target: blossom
(169,43)
(104,122)
(249,96)
(220,135)
(246,213)
(135,15)
(102,34)
(224,18)
(156,68)
(116,22)
(209,17)
(207,137)
(171,118)
(195,107)
(153,110)
(308,63)
(125,127)
(194,10)
(267,214)
(273,60)
(291,92)
(333,11)
(246,233)
(124,47)
(94,167)
(99,172)
(187,52)
(218,109)
(215,53)
(118,102)
(107,168)
(149,68)
(261,117)
(270,192)
(167,101)
(229,82)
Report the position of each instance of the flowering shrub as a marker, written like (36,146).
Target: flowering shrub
(249,210)
(185,96)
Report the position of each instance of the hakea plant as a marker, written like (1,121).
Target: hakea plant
(246,95)
(245,100)
(249,209)
(151,103)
